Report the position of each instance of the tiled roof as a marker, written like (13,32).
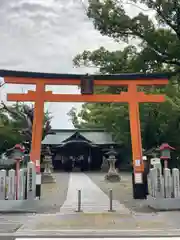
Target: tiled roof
(94,136)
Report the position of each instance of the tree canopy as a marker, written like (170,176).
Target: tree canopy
(16,125)
(152,40)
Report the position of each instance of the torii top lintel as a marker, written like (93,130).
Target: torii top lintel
(42,79)
(21,77)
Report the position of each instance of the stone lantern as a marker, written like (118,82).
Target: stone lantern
(47,176)
(112,174)
(165,150)
(18,153)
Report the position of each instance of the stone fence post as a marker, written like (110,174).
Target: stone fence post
(31,181)
(11,185)
(175,183)
(2,184)
(167,183)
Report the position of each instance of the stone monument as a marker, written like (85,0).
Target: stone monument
(176,183)
(47,176)
(11,185)
(112,174)
(2,184)
(21,189)
(167,183)
(31,181)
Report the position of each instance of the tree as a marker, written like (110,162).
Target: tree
(17,121)
(157,50)
(159,36)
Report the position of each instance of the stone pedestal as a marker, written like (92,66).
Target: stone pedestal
(112,174)
(47,176)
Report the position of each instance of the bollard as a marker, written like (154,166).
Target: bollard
(79,201)
(110,201)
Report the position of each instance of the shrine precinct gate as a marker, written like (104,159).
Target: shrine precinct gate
(87,82)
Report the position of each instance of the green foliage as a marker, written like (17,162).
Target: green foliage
(156,29)
(159,36)
(14,121)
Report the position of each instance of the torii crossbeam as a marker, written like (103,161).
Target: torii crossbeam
(132,97)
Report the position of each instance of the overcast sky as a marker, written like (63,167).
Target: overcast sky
(44,36)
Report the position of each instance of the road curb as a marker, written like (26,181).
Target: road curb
(101,233)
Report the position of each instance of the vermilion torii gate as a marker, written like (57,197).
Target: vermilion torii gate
(133,97)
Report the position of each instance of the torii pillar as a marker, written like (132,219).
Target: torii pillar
(38,97)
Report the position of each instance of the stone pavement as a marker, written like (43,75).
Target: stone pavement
(93,199)
(88,221)
(10,223)
(95,215)
(122,191)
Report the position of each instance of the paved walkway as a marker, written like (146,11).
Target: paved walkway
(93,199)
(95,216)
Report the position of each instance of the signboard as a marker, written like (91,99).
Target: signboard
(138,163)
(87,85)
(138,178)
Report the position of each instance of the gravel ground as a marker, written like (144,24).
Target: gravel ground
(94,221)
(54,194)
(52,198)
(122,191)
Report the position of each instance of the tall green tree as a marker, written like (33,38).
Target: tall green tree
(156,28)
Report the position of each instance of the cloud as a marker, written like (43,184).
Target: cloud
(45,36)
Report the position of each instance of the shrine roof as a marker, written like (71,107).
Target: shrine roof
(122,76)
(95,136)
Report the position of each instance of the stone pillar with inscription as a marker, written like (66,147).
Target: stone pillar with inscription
(167,183)
(158,166)
(2,184)
(159,180)
(31,181)
(152,182)
(11,185)
(160,185)
(156,182)
(150,191)
(21,189)
(175,183)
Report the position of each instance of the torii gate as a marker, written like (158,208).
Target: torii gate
(132,97)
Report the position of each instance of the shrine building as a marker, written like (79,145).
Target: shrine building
(82,149)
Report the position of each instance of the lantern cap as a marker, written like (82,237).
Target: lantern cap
(112,151)
(19,147)
(165,146)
